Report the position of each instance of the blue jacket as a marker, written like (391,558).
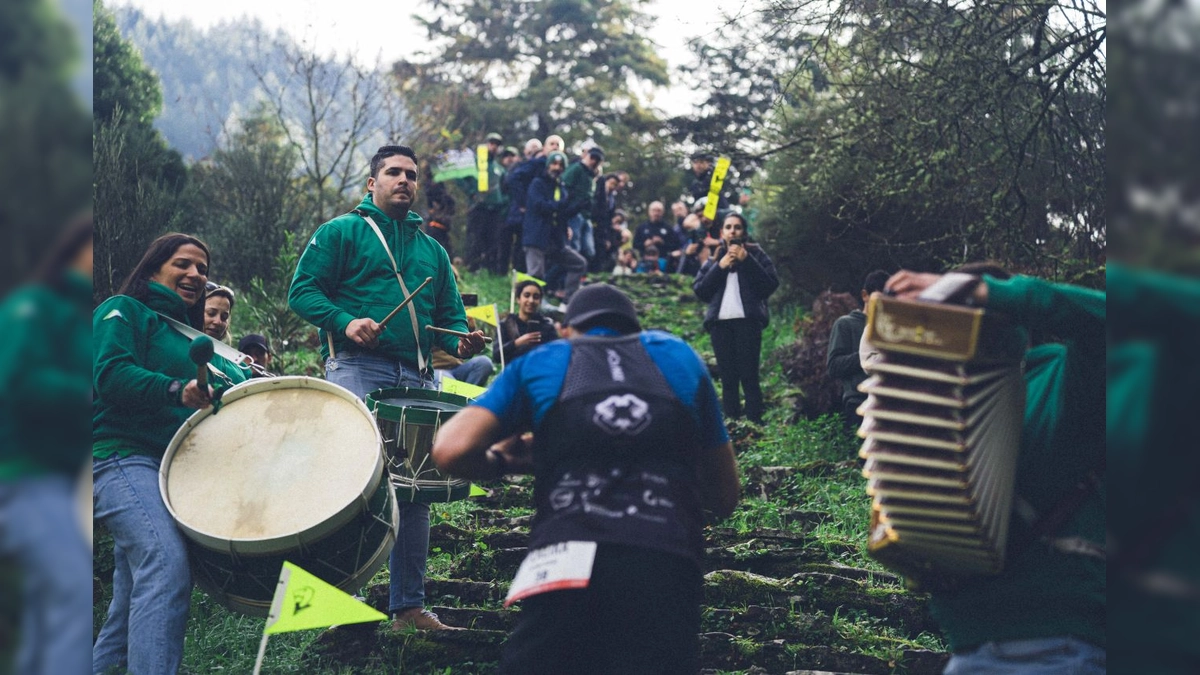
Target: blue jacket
(545,214)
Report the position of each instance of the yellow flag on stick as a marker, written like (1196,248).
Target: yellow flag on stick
(714,188)
(481,164)
(521,276)
(461,388)
(477,491)
(303,601)
(484,313)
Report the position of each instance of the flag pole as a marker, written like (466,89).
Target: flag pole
(262,651)
(512,295)
(499,336)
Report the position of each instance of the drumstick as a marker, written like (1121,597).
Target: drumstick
(201,352)
(459,333)
(402,305)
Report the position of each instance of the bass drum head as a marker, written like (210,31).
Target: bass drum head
(287,459)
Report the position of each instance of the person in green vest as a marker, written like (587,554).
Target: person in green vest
(45,384)
(145,388)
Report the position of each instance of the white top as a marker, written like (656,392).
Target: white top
(731,302)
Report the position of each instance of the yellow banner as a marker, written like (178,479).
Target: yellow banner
(303,601)
(481,163)
(714,188)
(521,276)
(484,313)
(452,386)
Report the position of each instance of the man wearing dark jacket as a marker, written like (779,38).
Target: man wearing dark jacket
(545,226)
(841,360)
(656,231)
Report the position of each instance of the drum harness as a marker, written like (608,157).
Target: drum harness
(412,312)
(225,351)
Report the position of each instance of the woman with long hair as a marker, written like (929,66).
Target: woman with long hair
(522,332)
(736,282)
(145,388)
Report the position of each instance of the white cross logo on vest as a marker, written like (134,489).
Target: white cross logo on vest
(622,414)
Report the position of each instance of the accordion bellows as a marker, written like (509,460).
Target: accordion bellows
(945,403)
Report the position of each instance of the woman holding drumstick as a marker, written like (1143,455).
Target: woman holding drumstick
(146,386)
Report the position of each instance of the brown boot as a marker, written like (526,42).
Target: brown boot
(419,618)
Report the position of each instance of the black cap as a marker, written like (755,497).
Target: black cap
(602,300)
(253,340)
(509,150)
(597,152)
(702,154)
(495,137)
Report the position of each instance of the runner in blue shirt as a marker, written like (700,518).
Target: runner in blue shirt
(628,450)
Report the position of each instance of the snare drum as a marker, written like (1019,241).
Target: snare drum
(290,469)
(408,419)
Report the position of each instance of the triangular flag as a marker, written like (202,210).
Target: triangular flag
(521,276)
(466,389)
(477,491)
(485,313)
(303,601)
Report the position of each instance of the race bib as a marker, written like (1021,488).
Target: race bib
(553,568)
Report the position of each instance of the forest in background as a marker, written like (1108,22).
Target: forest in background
(913,134)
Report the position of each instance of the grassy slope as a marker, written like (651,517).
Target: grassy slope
(821,497)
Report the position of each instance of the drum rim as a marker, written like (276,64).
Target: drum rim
(288,542)
(382,409)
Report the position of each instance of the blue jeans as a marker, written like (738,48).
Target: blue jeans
(582,239)
(362,374)
(475,370)
(40,530)
(152,583)
(1043,656)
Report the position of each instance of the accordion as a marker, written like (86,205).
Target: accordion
(942,429)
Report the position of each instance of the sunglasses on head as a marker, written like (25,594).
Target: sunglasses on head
(212,287)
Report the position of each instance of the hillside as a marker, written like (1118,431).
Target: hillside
(788,586)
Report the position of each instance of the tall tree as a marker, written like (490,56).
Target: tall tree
(950,132)
(137,177)
(246,198)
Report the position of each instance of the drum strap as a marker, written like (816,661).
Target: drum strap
(225,351)
(412,312)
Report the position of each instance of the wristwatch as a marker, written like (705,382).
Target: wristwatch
(175,389)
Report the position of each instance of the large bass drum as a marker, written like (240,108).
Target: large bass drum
(290,468)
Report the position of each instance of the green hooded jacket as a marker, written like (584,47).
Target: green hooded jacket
(136,357)
(345,274)
(1043,592)
(45,378)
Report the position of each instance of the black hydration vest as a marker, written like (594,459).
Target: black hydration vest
(615,455)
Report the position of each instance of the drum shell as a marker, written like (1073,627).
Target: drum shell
(345,537)
(408,419)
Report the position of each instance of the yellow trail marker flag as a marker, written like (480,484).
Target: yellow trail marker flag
(481,163)
(485,313)
(714,188)
(303,601)
(461,388)
(477,491)
(521,276)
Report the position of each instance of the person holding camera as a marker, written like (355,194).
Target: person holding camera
(522,332)
(736,282)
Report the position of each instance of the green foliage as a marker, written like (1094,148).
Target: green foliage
(948,133)
(246,201)
(121,80)
(45,166)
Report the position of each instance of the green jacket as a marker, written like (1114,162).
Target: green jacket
(1044,592)
(580,184)
(1153,387)
(45,378)
(137,356)
(492,200)
(345,274)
